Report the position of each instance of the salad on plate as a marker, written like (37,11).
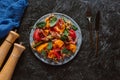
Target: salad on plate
(55,38)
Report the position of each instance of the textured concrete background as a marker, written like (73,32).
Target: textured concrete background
(85,66)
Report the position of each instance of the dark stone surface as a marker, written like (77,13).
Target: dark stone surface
(85,66)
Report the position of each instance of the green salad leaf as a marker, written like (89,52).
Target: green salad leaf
(74,27)
(63,38)
(66,33)
(49,46)
(41,24)
(66,51)
(53,21)
(43,52)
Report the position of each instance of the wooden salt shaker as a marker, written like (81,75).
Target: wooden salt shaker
(8,69)
(4,48)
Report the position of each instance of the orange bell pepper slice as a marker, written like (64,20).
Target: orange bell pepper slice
(58,43)
(51,54)
(41,47)
(72,47)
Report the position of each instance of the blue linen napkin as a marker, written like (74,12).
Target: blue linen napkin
(11,12)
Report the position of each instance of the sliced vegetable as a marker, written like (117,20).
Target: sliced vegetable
(60,22)
(61,25)
(36,35)
(46,31)
(72,47)
(57,55)
(51,54)
(41,24)
(47,24)
(74,27)
(56,28)
(41,47)
(59,30)
(59,43)
(49,46)
(53,21)
(72,34)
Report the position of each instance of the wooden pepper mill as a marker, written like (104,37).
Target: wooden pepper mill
(8,69)
(4,48)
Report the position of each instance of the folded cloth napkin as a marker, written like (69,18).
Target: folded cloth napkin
(11,12)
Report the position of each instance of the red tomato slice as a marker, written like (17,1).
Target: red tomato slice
(72,33)
(36,35)
(60,23)
(57,54)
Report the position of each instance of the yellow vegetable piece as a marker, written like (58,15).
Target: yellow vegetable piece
(59,43)
(72,47)
(57,29)
(47,24)
(41,47)
(47,19)
(51,54)
(62,28)
(46,32)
